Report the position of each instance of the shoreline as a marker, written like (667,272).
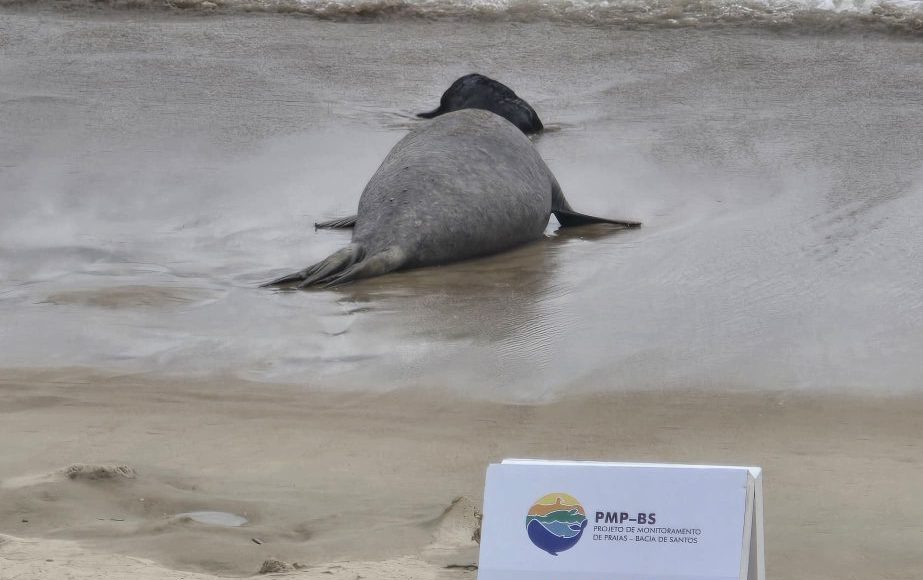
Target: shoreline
(882,18)
(364,478)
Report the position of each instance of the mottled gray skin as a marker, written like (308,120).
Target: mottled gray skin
(466,184)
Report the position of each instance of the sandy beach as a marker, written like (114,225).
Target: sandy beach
(362,481)
(157,164)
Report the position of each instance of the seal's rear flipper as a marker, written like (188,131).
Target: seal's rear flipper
(569,219)
(344,266)
(338,223)
(381,263)
(336,262)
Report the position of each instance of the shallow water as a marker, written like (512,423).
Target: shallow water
(224,519)
(155,168)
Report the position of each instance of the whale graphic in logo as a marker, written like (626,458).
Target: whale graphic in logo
(556,522)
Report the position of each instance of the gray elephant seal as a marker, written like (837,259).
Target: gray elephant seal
(467,184)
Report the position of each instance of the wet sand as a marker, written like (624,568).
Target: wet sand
(158,167)
(366,478)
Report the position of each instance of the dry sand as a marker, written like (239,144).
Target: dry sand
(359,485)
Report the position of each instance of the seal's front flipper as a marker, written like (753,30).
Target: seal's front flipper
(339,223)
(568,218)
(336,262)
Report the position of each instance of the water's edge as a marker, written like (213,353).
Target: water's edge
(900,17)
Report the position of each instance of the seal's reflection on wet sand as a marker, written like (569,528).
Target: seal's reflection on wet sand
(495,298)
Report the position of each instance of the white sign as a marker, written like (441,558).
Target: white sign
(548,520)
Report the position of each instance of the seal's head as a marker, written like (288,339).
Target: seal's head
(476,91)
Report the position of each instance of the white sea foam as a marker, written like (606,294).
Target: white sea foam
(892,15)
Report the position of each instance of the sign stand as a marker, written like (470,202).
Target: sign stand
(753,564)
(544,520)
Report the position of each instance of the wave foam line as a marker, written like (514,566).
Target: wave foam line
(890,15)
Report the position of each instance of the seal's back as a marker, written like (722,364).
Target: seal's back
(465,184)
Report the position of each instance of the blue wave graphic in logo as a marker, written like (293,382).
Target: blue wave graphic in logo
(551,542)
(556,523)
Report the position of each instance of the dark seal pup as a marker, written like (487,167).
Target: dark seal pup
(476,91)
(467,184)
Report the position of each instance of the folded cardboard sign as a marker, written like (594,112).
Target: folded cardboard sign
(549,520)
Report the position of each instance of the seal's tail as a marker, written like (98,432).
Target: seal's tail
(343,266)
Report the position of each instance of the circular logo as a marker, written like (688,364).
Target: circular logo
(556,522)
